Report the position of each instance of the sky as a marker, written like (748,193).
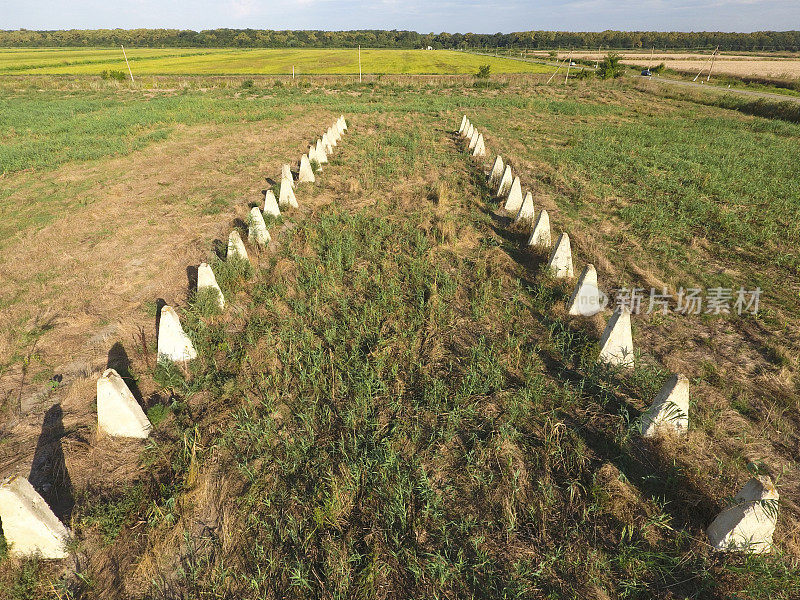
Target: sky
(425,16)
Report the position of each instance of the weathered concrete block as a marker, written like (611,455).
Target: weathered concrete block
(748,524)
(287,198)
(616,345)
(480,147)
(561,259)
(514,200)
(473,141)
(344,123)
(29,526)
(306,172)
(497,171)
(505,182)
(669,412)
(118,412)
(587,299)
(206,279)
(470,131)
(286,173)
(540,236)
(463,124)
(271,204)
(257,229)
(332,136)
(526,211)
(236,247)
(320,155)
(173,343)
(326,145)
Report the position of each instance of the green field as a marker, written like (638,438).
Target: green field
(199,61)
(395,402)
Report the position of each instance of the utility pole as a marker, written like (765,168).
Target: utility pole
(359,63)
(569,64)
(712,65)
(126,61)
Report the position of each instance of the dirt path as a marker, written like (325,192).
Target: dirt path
(89,280)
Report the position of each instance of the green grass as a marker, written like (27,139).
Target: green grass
(403,409)
(195,61)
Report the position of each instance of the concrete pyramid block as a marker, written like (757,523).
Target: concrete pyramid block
(206,279)
(497,171)
(470,132)
(287,198)
(326,145)
(560,263)
(480,147)
(306,172)
(616,345)
(118,413)
(526,211)
(505,182)
(332,136)
(29,526)
(473,141)
(463,124)
(540,236)
(344,123)
(271,204)
(321,156)
(514,200)
(286,173)
(173,343)
(670,409)
(748,524)
(236,247)
(257,229)
(587,299)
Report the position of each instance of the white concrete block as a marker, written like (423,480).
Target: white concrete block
(306,172)
(287,198)
(29,526)
(332,136)
(344,123)
(497,171)
(286,173)
(207,279)
(616,345)
(257,229)
(236,247)
(470,132)
(326,145)
(514,200)
(473,141)
(587,299)
(670,410)
(322,156)
(118,412)
(748,524)
(463,124)
(173,343)
(561,259)
(480,147)
(505,182)
(271,204)
(540,236)
(526,211)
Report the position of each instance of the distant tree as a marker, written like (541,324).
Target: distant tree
(610,68)
(483,72)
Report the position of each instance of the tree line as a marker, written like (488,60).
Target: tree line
(533,40)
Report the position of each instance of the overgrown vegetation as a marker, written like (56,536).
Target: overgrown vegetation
(395,404)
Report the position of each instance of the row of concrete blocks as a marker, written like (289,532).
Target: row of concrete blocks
(749,522)
(476,144)
(29,525)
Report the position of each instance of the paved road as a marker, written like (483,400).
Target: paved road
(676,82)
(718,89)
